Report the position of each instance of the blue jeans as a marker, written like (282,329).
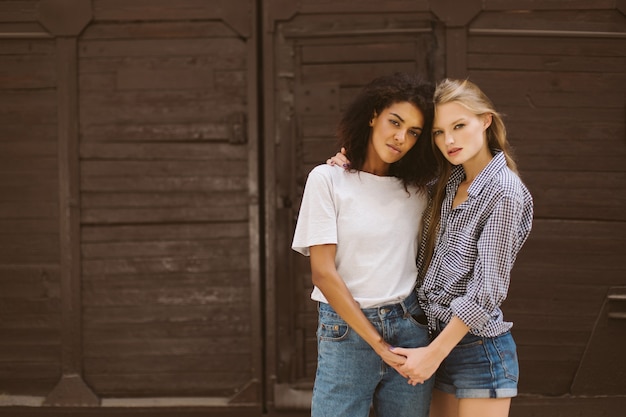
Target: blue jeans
(351,377)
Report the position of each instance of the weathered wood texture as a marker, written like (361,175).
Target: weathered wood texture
(29,216)
(165,204)
(322,61)
(164,198)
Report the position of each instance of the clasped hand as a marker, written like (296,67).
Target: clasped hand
(419,365)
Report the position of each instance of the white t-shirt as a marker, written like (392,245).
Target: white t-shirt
(375,224)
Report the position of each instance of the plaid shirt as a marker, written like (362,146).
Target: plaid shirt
(476,247)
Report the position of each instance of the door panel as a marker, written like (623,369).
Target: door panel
(321,62)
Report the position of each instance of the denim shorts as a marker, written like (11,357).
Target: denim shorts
(480,367)
(351,378)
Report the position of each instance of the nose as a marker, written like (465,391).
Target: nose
(400,136)
(449,139)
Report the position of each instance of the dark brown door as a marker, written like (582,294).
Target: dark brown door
(321,60)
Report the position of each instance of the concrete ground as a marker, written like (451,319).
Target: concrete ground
(523,406)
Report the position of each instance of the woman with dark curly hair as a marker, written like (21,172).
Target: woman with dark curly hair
(361,229)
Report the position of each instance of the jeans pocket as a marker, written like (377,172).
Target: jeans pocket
(507,351)
(332,329)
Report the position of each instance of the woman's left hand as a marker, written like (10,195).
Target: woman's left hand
(339,159)
(420,365)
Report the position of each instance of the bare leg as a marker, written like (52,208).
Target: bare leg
(484,407)
(444,405)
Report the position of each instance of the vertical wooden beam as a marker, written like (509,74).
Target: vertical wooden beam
(456,16)
(65,19)
(253,393)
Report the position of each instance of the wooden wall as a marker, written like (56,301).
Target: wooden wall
(30,308)
(129,202)
(152,159)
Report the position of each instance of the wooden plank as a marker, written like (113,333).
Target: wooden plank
(124,331)
(548,5)
(353,74)
(572,154)
(577,19)
(364,6)
(537,45)
(222,50)
(44,191)
(27,72)
(19,150)
(216,297)
(114,216)
(191,346)
(31,353)
(121,10)
(195,231)
(555,299)
(199,248)
(533,378)
(129,266)
(140,364)
(26,337)
(371,52)
(578,195)
(16,227)
(30,47)
(165,184)
(31,305)
(33,209)
(158,132)
(18,11)
(24,108)
(157,30)
(126,60)
(386,22)
(203,384)
(173,279)
(163,151)
(152,107)
(549,82)
(529,62)
(96,169)
(146,317)
(164,207)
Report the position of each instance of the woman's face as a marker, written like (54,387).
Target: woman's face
(394,132)
(460,134)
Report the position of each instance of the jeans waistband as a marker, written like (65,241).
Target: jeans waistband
(403,308)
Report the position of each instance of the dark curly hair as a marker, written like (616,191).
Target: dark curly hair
(418,166)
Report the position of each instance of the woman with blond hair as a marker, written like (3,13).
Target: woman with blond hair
(480,217)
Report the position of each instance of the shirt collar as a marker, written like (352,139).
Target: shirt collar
(497,163)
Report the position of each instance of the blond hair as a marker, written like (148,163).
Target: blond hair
(467,94)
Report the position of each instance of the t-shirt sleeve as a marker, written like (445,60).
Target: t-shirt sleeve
(317,219)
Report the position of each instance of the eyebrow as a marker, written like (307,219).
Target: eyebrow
(402,120)
(453,123)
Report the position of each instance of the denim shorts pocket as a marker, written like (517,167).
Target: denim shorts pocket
(507,351)
(332,328)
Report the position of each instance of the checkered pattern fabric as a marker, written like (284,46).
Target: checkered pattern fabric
(477,244)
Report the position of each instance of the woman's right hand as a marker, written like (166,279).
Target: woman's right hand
(339,159)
